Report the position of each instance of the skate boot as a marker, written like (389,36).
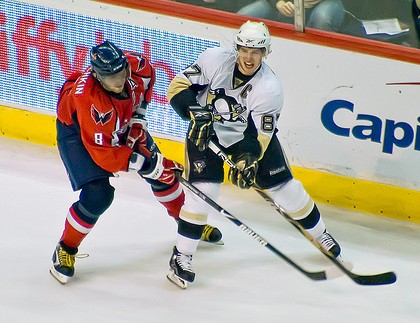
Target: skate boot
(63,263)
(329,244)
(180,269)
(212,235)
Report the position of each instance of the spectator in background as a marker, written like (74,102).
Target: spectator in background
(416,15)
(223,5)
(320,14)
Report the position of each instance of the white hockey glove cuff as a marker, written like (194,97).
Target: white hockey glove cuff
(161,169)
(136,162)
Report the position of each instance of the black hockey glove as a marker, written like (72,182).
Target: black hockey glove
(243,175)
(201,126)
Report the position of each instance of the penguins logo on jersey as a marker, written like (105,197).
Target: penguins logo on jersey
(199,166)
(226,108)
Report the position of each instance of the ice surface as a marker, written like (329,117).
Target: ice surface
(123,279)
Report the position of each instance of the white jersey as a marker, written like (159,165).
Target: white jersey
(261,97)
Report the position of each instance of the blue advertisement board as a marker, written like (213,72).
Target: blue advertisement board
(40,47)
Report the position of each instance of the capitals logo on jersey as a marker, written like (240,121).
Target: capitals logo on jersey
(226,108)
(100,117)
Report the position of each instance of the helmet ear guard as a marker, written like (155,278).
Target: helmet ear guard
(254,35)
(107,59)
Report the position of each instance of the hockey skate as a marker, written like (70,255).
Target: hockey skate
(212,235)
(329,244)
(63,263)
(180,269)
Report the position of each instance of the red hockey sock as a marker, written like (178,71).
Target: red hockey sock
(75,229)
(172,199)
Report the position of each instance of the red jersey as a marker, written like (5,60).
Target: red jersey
(103,116)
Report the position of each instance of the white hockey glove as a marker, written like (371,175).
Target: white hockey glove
(137,135)
(161,169)
(201,126)
(243,175)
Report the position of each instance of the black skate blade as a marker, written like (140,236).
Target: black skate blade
(62,279)
(181,283)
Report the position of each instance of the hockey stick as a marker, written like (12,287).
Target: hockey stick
(317,275)
(375,279)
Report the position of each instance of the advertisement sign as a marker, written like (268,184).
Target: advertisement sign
(40,47)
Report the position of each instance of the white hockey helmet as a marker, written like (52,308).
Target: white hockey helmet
(253,34)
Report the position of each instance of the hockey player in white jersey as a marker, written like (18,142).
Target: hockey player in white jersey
(233,98)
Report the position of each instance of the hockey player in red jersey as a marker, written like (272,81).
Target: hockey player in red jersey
(101,130)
